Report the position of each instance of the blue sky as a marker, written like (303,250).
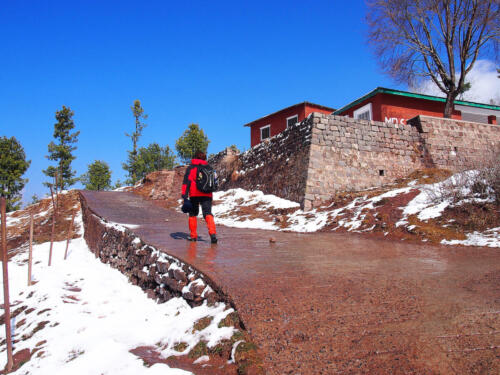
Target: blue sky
(220,64)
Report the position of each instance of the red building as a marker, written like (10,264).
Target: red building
(276,122)
(397,106)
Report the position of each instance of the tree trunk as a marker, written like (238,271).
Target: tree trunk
(448,108)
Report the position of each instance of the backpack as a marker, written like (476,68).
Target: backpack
(206,179)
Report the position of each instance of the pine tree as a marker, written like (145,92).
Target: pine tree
(97,177)
(192,140)
(139,115)
(34,199)
(62,153)
(13,165)
(149,159)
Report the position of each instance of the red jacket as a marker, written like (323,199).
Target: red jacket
(189,183)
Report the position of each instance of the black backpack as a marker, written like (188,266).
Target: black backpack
(206,179)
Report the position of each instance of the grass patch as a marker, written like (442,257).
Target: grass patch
(237,336)
(199,350)
(180,347)
(433,231)
(202,323)
(231,320)
(472,217)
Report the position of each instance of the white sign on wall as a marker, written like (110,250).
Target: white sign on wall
(395,120)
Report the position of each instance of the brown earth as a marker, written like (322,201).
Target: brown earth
(18,234)
(163,187)
(216,365)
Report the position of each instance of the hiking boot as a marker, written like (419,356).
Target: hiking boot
(213,238)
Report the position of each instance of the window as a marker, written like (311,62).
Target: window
(292,120)
(265,132)
(364,113)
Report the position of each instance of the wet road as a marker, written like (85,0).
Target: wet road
(331,303)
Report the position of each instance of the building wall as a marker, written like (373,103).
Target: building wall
(396,108)
(278,121)
(308,163)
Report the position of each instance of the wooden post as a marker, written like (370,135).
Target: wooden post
(6,302)
(69,235)
(53,226)
(57,195)
(30,257)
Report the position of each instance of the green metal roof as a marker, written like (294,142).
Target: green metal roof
(382,90)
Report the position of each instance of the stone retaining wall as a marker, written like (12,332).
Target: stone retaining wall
(311,161)
(276,166)
(161,276)
(455,144)
(349,154)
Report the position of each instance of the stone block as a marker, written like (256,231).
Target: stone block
(162,266)
(180,275)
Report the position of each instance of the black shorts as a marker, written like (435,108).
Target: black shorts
(206,206)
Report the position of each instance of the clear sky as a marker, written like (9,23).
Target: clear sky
(217,63)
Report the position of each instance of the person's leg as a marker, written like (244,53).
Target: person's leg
(193,221)
(206,207)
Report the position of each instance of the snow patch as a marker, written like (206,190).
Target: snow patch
(100,315)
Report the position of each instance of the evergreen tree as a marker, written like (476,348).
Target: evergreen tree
(139,115)
(13,165)
(118,184)
(149,159)
(98,176)
(34,199)
(62,153)
(193,139)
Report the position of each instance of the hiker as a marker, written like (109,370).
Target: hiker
(199,182)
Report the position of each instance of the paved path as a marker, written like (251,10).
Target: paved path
(331,303)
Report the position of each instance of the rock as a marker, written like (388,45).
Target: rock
(272,240)
(142,275)
(197,289)
(175,285)
(180,275)
(188,295)
(211,298)
(158,278)
(162,267)
(151,293)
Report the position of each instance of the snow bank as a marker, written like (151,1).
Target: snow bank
(489,238)
(430,203)
(91,316)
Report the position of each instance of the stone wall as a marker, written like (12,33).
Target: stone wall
(457,145)
(158,274)
(311,161)
(276,166)
(349,154)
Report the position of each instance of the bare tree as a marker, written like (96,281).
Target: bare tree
(436,39)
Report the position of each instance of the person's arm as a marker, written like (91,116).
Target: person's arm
(186,183)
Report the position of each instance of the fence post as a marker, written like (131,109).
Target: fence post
(53,225)
(30,258)
(69,235)
(6,302)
